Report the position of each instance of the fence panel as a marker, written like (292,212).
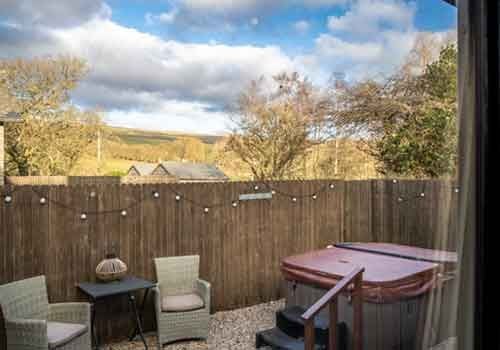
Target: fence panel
(240,246)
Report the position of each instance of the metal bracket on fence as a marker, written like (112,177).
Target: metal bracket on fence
(255,196)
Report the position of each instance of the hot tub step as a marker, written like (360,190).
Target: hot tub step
(290,322)
(278,340)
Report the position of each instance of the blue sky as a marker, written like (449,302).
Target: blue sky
(175,64)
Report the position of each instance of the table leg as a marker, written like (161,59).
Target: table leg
(133,304)
(93,328)
(141,315)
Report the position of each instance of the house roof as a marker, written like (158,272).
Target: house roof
(10,117)
(144,168)
(193,171)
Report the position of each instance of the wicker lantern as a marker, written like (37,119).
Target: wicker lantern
(111,269)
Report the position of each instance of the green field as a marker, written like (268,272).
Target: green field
(137,137)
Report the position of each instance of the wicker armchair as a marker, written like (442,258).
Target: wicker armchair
(182,300)
(32,323)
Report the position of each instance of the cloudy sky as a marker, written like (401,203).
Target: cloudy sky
(176,64)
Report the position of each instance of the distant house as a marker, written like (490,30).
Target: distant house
(190,172)
(141,169)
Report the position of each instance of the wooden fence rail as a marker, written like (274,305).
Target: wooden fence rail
(240,247)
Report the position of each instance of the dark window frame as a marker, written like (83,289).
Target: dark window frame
(484,28)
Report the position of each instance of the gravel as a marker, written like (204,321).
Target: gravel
(233,330)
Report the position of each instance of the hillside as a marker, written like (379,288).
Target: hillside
(122,147)
(137,136)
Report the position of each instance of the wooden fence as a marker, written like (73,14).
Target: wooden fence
(240,247)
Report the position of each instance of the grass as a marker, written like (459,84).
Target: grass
(137,136)
(88,166)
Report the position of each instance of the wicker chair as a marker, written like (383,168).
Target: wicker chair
(32,323)
(182,300)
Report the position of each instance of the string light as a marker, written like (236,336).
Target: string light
(8,198)
(394,181)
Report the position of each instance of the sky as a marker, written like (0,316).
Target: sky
(177,64)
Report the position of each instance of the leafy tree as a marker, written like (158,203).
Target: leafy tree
(409,121)
(52,135)
(277,124)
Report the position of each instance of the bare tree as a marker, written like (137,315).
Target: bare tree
(277,123)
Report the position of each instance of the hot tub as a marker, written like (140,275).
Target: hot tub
(397,284)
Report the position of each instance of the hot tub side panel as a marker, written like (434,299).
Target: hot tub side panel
(391,326)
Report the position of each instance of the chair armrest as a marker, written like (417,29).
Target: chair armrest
(26,334)
(203,288)
(157,297)
(70,312)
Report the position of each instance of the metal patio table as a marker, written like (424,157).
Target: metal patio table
(127,286)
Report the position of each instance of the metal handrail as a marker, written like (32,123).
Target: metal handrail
(330,298)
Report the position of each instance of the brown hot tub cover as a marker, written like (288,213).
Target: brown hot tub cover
(387,277)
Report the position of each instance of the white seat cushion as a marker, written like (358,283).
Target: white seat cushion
(178,303)
(60,333)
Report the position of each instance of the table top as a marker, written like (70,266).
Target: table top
(126,285)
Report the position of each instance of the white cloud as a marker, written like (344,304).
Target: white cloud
(164,17)
(130,69)
(53,13)
(370,16)
(301,26)
(334,48)
(254,21)
(172,115)
(128,59)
